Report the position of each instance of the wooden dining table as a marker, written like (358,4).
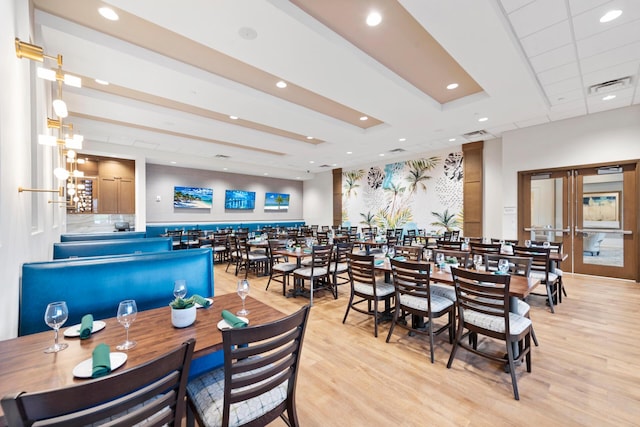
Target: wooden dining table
(25,367)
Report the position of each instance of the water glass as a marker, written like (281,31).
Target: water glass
(243,291)
(546,245)
(55,315)
(527,243)
(440,260)
(428,253)
(503,265)
(180,288)
(477,261)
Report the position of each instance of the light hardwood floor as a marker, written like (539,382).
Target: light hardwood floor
(586,371)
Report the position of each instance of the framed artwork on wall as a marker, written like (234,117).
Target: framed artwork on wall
(192,197)
(239,199)
(276,201)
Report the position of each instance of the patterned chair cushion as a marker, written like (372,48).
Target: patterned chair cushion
(540,276)
(306,271)
(446,291)
(207,392)
(522,308)
(254,257)
(285,267)
(382,288)
(517,323)
(438,303)
(340,268)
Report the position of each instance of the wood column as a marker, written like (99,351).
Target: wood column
(472,188)
(337,197)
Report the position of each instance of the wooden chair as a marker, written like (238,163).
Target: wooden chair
(411,253)
(191,239)
(484,309)
(447,244)
(339,266)
(176,238)
(484,248)
(554,247)
(220,246)
(541,269)
(408,240)
(279,271)
(512,242)
(317,273)
(367,288)
(250,260)
(414,297)
(461,256)
(257,383)
(152,394)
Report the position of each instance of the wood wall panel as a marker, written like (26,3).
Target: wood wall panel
(337,197)
(472,188)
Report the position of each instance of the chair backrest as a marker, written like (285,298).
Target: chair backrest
(413,232)
(485,248)
(484,293)
(412,279)
(322,237)
(361,269)
(513,242)
(519,266)
(321,256)
(447,244)
(412,253)
(540,263)
(343,249)
(408,240)
(275,244)
(258,359)
(461,256)
(153,392)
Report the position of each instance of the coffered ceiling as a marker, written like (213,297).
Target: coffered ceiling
(195,85)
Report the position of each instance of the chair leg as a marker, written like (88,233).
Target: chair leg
(550,297)
(393,322)
(512,370)
(348,308)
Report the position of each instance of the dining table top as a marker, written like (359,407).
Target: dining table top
(25,367)
(519,286)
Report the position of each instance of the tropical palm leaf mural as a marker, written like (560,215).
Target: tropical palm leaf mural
(445,220)
(417,170)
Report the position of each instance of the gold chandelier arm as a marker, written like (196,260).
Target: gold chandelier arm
(60,190)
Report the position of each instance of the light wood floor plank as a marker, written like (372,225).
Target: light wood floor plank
(586,371)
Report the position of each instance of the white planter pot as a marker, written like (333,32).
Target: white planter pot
(183,317)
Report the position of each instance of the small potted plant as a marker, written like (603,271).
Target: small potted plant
(183,312)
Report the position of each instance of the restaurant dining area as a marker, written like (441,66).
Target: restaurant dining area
(302,213)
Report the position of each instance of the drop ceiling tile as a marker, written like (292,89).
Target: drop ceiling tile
(597,105)
(511,5)
(568,98)
(145,145)
(569,106)
(562,87)
(621,55)
(604,41)
(579,6)
(537,16)
(588,23)
(532,122)
(554,58)
(550,38)
(560,73)
(561,115)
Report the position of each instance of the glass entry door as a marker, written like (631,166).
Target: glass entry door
(592,211)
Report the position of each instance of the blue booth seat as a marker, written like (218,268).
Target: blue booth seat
(74,237)
(91,248)
(97,284)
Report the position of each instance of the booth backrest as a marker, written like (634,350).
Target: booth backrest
(155,229)
(90,248)
(102,236)
(97,284)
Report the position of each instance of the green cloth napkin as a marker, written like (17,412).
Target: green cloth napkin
(233,320)
(378,261)
(206,303)
(101,361)
(400,258)
(86,326)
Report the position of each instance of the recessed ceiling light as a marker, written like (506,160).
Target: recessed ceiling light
(173,162)
(402,139)
(281,84)
(266,173)
(349,152)
(311,161)
(610,15)
(381,154)
(108,13)
(233,117)
(374,18)
(335,164)
(608,97)
(452,86)
(451,139)
(309,137)
(363,118)
(483,119)
(102,82)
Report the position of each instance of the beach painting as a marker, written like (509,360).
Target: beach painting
(276,201)
(192,197)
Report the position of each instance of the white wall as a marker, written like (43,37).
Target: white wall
(317,205)
(161,181)
(491,190)
(609,136)
(28,223)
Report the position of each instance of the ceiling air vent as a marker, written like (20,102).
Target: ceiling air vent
(222,156)
(398,150)
(324,166)
(610,86)
(478,134)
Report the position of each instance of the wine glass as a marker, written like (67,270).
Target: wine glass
(527,243)
(477,261)
(243,291)
(127,311)
(503,265)
(391,252)
(56,314)
(546,244)
(428,253)
(385,250)
(180,288)
(440,260)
